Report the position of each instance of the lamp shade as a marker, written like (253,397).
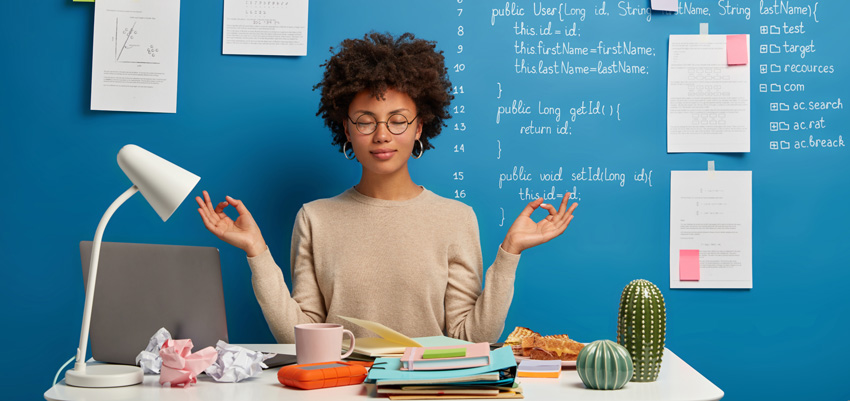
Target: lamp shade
(163,184)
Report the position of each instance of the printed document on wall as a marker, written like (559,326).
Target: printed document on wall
(267,27)
(711,215)
(708,101)
(134,58)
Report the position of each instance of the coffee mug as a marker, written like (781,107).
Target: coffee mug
(320,342)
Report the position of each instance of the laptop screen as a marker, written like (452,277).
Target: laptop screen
(142,287)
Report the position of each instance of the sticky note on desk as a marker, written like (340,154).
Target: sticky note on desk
(689,265)
(736,49)
(444,353)
(665,5)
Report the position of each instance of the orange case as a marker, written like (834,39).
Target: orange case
(312,376)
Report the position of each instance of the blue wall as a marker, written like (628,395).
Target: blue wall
(247,126)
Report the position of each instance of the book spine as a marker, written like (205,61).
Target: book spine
(410,358)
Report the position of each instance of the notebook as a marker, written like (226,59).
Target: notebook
(539,368)
(142,287)
(392,343)
(469,356)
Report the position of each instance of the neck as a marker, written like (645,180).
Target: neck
(393,187)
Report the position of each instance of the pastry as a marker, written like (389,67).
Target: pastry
(528,343)
(515,339)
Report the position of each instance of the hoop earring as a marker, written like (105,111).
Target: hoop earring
(421,150)
(345,151)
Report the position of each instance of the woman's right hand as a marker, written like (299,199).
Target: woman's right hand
(242,233)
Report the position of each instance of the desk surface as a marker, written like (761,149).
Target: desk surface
(677,381)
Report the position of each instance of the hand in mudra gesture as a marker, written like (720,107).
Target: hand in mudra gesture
(242,233)
(526,233)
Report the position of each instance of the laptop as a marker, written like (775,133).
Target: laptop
(142,287)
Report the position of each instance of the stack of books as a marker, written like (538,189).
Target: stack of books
(455,371)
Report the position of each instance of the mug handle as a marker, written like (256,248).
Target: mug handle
(351,346)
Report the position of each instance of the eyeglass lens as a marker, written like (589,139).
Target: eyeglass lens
(367,124)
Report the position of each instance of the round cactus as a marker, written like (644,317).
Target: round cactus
(604,365)
(641,328)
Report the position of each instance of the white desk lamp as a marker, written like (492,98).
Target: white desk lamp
(164,185)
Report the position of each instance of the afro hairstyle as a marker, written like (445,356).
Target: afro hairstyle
(379,62)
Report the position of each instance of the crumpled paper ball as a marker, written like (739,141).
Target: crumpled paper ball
(180,367)
(149,359)
(235,363)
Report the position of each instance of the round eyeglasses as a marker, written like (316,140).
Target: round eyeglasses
(366,124)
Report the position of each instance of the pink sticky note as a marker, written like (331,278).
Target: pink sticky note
(736,49)
(665,5)
(688,265)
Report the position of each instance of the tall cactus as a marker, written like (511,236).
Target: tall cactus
(641,328)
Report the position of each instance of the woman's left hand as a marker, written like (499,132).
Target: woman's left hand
(525,233)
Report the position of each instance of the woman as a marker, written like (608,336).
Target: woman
(386,250)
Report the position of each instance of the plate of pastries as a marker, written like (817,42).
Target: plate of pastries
(529,344)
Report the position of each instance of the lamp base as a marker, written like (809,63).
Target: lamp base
(105,375)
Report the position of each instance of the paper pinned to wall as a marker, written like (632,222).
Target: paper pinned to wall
(271,28)
(134,57)
(708,101)
(665,5)
(711,212)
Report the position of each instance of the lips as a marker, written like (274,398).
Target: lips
(383,154)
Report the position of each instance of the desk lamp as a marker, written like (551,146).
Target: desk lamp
(164,185)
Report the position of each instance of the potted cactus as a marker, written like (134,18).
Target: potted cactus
(641,328)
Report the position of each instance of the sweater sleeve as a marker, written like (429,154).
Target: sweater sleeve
(282,310)
(474,314)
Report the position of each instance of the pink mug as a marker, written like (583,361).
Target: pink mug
(320,342)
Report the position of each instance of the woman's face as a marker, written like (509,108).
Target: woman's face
(382,152)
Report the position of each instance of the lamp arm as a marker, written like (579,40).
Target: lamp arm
(80,365)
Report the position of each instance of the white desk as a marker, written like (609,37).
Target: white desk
(677,381)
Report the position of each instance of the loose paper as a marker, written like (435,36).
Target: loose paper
(711,211)
(708,101)
(134,58)
(180,367)
(273,27)
(149,358)
(234,363)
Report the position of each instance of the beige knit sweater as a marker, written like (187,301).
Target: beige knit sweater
(414,266)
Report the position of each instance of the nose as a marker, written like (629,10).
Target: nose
(381,134)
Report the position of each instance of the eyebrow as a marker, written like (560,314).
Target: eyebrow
(396,111)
